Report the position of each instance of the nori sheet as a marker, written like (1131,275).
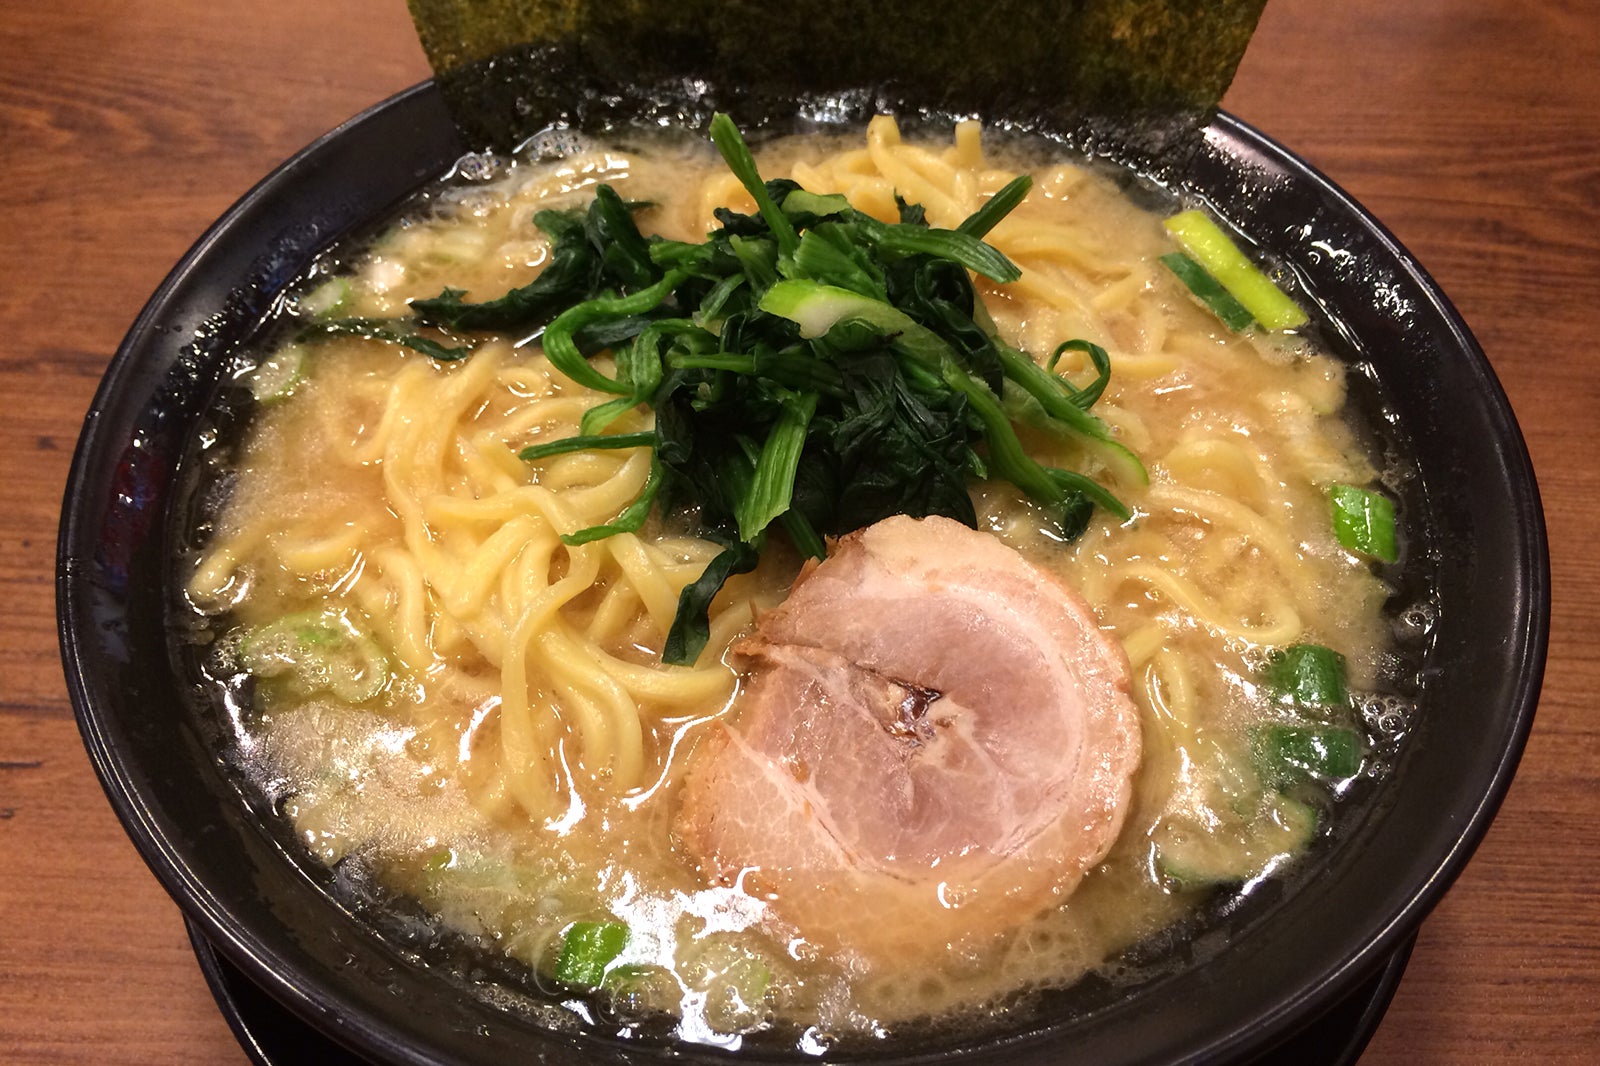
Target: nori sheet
(1123,77)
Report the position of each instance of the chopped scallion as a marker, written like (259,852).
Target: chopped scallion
(1208,291)
(1215,251)
(586,951)
(326,300)
(1363,521)
(278,374)
(1309,675)
(326,650)
(1286,753)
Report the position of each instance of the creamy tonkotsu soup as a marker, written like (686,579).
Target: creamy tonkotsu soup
(443,691)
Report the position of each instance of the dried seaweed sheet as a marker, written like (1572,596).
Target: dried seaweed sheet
(1139,74)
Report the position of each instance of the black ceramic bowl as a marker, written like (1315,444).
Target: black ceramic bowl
(1259,971)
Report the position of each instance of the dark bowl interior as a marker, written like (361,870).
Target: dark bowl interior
(1477,554)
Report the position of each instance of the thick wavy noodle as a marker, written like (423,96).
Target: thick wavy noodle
(424,519)
(519,769)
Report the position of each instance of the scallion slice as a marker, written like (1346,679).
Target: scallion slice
(1214,250)
(1207,290)
(278,374)
(586,951)
(1287,753)
(1363,521)
(326,650)
(327,300)
(1309,675)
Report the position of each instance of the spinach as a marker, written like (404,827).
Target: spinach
(810,368)
(393,331)
(590,252)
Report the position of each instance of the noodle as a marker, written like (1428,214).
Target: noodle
(526,673)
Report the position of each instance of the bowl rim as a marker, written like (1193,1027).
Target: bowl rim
(342,1014)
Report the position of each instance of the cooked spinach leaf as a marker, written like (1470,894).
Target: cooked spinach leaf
(809,367)
(392,330)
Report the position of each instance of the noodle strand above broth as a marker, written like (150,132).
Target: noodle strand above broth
(448,692)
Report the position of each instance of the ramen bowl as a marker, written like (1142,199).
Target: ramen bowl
(370,973)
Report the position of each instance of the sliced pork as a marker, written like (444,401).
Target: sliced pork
(935,742)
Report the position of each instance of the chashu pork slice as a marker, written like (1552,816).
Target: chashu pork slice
(935,743)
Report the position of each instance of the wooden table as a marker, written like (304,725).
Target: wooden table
(1471,127)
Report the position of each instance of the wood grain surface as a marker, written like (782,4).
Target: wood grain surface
(1470,127)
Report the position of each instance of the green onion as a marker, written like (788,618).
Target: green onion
(1196,850)
(586,951)
(1215,251)
(324,650)
(639,989)
(1208,291)
(1363,521)
(1285,754)
(816,308)
(326,300)
(1309,675)
(733,978)
(278,374)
